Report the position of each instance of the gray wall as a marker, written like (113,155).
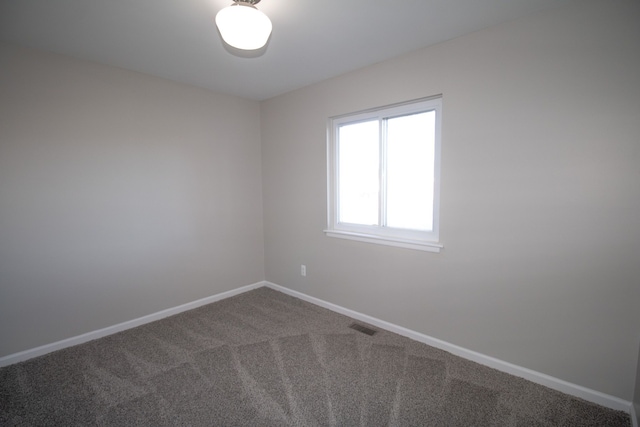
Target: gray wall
(120,195)
(636,395)
(540,214)
(123,194)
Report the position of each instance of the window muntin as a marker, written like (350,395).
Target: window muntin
(383,174)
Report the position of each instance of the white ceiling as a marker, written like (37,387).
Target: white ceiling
(312,40)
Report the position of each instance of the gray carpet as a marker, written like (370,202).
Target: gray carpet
(266,359)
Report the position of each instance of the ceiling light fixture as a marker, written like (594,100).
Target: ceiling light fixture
(243,26)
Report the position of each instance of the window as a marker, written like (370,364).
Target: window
(383,175)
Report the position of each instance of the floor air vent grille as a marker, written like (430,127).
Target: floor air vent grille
(363,329)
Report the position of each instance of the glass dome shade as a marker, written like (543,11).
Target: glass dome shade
(243,26)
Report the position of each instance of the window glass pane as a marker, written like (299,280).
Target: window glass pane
(410,171)
(358,173)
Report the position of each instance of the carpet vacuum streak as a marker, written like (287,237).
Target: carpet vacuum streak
(264,358)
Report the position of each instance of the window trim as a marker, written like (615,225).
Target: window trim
(411,239)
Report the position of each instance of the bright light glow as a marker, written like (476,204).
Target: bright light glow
(410,171)
(243,26)
(383,175)
(407,175)
(359,172)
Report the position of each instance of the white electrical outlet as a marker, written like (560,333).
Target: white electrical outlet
(303,270)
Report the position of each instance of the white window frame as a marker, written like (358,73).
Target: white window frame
(412,239)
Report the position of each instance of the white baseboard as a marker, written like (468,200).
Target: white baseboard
(89,336)
(500,365)
(635,415)
(537,377)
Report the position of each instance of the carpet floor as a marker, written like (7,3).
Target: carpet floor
(264,358)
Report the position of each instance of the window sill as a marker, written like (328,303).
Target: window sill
(388,241)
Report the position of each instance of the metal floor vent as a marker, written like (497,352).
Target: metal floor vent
(363,329)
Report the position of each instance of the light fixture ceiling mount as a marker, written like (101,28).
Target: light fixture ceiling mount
(243,26)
